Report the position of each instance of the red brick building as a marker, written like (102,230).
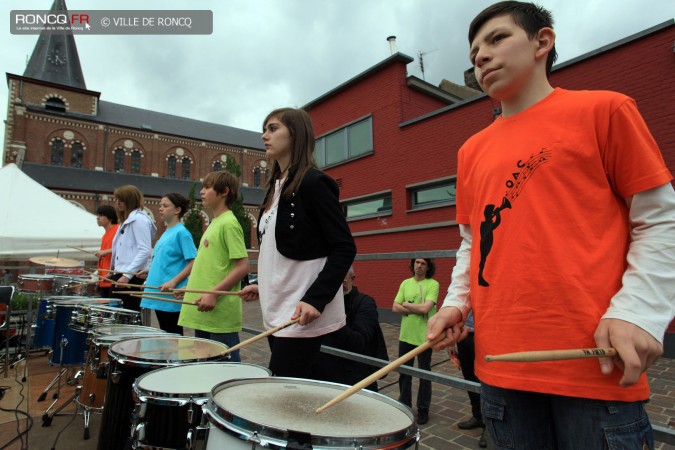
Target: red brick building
(392,146)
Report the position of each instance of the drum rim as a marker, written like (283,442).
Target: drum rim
(88,301)
(160,331)
(35,276)
(160,395)
(103,307)
(224,420)
(127,360)
(124,336)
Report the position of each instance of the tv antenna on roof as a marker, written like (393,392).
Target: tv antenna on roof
(420,56)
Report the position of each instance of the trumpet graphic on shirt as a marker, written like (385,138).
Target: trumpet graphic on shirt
(492,215)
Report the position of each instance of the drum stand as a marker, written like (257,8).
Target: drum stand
(47,418)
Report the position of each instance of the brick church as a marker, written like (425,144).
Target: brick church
(81,147)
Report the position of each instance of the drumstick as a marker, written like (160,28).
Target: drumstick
(81,249)
(552,355)
(380,373)
(199,291)
(137,286)
(83,284)
(163,299)
(261,335)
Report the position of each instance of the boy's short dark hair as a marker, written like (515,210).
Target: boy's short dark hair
(220,181)
(431,266)
(107,211)
(528,16)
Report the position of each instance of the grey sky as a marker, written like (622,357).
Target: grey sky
(264,54)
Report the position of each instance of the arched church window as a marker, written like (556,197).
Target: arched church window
(57,152)
(256,176)
(185,169)
(136,161)
(171,166)
(55,104)
(118,160)
(76,155)
(217,165)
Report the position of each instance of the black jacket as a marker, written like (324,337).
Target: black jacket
(311,225)
(362,334)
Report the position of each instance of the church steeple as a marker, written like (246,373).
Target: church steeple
(55,57)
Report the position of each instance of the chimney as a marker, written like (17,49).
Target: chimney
(392,44)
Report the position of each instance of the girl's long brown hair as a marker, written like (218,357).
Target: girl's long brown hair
(299,124)
(132,198)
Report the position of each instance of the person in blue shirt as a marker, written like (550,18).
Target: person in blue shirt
(171,265)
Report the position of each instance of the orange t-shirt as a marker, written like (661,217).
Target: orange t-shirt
(104,262)
(543,191)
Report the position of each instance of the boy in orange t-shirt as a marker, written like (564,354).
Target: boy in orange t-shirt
(106,217)
(567,216)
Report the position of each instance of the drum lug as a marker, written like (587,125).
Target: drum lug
(254,439)
(138,432)
(115,377)
(141,409)
(190,414)
(190,440)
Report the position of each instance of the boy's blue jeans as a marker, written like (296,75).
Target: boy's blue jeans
(531,421)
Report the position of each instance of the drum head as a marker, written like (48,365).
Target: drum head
(194,380)
(273,406)
(166,350)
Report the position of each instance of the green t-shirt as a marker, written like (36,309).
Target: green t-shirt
(414,326)
(222,242)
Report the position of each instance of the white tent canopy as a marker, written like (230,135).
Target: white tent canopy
(34,221)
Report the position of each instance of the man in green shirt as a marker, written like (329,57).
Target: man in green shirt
(416,301)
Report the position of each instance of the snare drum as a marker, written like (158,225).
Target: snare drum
(35,283)
(131,358)
(89,316)
(280,413)
(175,395)
(92,394)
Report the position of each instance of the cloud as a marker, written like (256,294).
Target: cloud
(264,54)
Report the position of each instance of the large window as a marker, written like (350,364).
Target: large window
(256,177)
(185,169)
(375,205)
(118,157)
(136,161)
(347,143)
(57,152)
(436,193)
(171,166)
(76,154)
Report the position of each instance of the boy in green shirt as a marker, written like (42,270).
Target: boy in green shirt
(221,263)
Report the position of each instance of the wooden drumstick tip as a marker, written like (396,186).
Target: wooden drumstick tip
(552,355)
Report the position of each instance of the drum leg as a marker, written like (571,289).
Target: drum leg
(86,414)
(53,382)
(47,418)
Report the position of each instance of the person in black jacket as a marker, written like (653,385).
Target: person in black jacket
(361,335)
(306,247)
